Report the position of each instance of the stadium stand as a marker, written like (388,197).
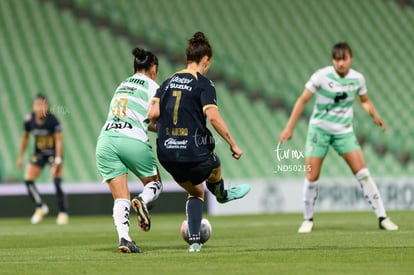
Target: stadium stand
(277,53)
(76,52)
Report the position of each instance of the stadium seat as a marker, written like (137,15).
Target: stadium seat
(78,63)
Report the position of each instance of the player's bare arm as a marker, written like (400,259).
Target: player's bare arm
(152,127)
(368,106)
(154,110)
(23,146)
(220,126)
(294,116)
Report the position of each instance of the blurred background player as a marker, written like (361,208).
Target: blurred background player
(185,146)
(335,88)
(47,131)
(124,145)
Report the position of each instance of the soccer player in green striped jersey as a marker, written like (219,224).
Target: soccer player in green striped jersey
(335,88)
(123,146)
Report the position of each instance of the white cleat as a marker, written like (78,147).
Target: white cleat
(62,218)
(388,225)
(195,247)
(306,227)
(39,213)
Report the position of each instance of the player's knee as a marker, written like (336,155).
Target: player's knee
(215,175)
(197,192)
(312,177)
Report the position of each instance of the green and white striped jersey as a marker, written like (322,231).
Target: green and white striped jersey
(129,107)
(335,95)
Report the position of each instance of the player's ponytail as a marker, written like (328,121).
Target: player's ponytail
(198,37)
(198,47)
(143,60)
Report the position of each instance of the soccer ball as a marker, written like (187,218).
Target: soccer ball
(205,231)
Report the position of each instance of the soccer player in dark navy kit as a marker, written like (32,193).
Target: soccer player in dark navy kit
(185,146)
(47,132)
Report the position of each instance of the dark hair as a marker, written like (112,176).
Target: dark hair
(198,47)
(40,96)
(339,50)
(144,60)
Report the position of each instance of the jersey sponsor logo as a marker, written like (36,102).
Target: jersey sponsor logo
(182,80)
(45,142)
(135,81)
(41,132)
(180,87)
(118,125)
(125,89)
(341,96)
(172,143)
(180,83)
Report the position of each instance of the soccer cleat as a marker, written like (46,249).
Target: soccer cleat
(195,247)
(306,227)
(128,247)
(39,213)
(235,192)
(143,216)
(62,218)
(387,224)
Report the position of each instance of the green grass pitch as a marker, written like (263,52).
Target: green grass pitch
(341,243)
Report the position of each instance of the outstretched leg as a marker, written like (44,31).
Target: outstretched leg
(215,184)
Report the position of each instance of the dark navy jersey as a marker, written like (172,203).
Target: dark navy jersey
(182,132)
(43,133)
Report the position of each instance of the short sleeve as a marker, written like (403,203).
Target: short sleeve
(57,127)
(208,95)
(161,89)
(158,93)
(153,87)
(27,123)
(362,86)
(313,83)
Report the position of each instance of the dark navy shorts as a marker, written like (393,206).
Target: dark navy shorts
(196,172)
(41,160)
